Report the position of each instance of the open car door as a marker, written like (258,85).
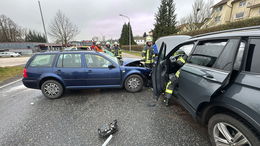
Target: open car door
(159,72)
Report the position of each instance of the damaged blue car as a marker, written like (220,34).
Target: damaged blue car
(54,72)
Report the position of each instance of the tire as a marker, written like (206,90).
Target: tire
(233,126)
(134,83)
(52,89)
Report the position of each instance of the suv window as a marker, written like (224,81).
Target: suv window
(253,61)
(187,48)
(96,61)
(42,60)
(207,52)
(69,60)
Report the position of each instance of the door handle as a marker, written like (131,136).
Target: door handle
(209,77)
(58,72)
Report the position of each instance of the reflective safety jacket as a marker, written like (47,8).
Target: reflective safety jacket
(98,49)
(180,62)
(148,55)
(117,52)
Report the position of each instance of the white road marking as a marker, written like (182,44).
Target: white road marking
(107,141)
(10,83)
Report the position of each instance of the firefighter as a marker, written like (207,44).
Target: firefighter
(98,47)
(108,47)
(93,45)
(148,53)
(117,51)
(177,61)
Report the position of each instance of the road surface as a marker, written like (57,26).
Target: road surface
(13,61)
(28,118)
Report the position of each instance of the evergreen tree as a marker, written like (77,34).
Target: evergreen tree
(124,38)
(33,36)
(165,20)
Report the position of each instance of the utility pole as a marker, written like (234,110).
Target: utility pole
(128,30)
(43,21)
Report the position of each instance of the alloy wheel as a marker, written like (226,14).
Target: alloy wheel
(134,83)
(51,89)
(227,135)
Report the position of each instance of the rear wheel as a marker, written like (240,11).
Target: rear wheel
(134,83)
(52,89)
(225,130)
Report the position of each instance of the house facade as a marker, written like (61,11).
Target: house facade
(227,11)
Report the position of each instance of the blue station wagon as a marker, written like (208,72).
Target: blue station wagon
(55,72)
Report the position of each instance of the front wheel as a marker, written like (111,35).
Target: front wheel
(52,89)
(134,83)
(226,130)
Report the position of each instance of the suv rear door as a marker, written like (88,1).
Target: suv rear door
(207,70)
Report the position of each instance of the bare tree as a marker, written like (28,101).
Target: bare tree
(200,11)
(62,28)
(9,30)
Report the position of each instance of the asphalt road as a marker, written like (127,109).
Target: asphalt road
(28,118)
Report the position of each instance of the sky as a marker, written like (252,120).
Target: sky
(93,17)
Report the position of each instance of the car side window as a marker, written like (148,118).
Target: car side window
(207,52)
(96,61)
(42,60)
(253,60)
(69,61)
(187,48)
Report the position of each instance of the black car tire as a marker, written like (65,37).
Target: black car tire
(52,86)
(223,118)
(134,83)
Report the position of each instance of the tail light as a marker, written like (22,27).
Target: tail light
(25,73)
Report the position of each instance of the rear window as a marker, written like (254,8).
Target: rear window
(42,60)
(253,60)
(69,60)
(206,53)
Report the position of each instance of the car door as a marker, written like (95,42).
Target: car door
(101,71)
(162,69)
(70,68)
(207,71)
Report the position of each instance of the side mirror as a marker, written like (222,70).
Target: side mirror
(111,66)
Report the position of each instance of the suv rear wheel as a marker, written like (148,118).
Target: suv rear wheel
(52,89)
(226,130)
(134,83)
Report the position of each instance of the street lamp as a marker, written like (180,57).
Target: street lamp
(129,30)
(43,21)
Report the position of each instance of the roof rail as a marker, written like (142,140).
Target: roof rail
(229,30)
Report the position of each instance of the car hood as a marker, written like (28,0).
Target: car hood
(127,61)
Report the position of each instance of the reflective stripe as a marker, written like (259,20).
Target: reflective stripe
(182,60)
(168,91)
(177,74)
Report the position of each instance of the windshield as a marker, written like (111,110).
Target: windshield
(112,58)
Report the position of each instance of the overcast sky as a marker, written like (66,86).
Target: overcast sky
(93,17)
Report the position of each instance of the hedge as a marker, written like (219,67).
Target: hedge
(232,25)
(133,47)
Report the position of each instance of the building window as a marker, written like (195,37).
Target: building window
(217,19)
(242,3)
(239,15)
(218,9)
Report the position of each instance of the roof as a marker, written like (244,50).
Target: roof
(245,33)
(222,2)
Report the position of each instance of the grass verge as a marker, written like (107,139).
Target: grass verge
(10,72)
(136,53)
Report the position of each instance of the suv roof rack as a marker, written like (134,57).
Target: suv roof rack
(229,30)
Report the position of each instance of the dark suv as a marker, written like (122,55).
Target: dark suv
(220,83)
